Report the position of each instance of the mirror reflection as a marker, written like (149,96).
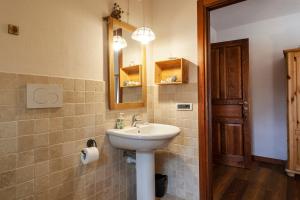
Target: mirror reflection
(127,67)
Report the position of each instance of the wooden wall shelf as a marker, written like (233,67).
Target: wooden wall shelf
(176,67)
(132,73)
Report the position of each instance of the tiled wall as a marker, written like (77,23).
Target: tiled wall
(180,159)
(39,148)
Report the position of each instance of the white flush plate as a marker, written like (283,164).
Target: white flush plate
(44,96)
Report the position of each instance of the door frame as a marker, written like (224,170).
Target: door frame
(204,94)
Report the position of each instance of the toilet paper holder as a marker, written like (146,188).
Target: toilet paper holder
(89,143)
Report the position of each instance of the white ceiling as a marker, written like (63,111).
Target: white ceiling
(251,11)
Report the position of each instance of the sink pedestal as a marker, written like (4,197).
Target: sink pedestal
(145,175)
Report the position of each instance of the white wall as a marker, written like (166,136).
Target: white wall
(59,37)
(268,39)
(213,35)
(175,25)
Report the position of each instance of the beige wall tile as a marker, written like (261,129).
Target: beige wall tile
(8,97)
(99,97)
(69,109)
(68,122)
(90,97)
(56,80)
(69,97)
(24,189)
(24,174)
(25,127)
(8,193)
(79,85)
(25,143)
(41,169)
(8,81)
(8,129)
(79,97)
(41,140)
(8,145)
(69,84)
(25,158)
(23,79)
(68,148)
(56,112)
(7,163)
(79,109)
(7,179)
(69,135)
(42,196)
(41,184)
(41,125)
(55,137)
(55,179)
(55,165)
(7,113)
(90,85)
(48,142)
(55,151)
(41,154)
(56,124)
(100,87)
(90,108)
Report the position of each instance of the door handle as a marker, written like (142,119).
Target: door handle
(245,109)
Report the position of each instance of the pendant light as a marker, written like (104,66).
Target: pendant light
(143,34)
(119,43)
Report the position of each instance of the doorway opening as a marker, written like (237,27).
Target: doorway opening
(224,108)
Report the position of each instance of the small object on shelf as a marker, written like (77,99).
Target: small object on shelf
(171,79)
(131,83)
(170,72)
(131,76)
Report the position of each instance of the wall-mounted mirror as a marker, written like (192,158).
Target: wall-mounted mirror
(127,67)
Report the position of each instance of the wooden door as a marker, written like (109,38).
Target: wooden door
(297,153)
(293,59)
(230,107)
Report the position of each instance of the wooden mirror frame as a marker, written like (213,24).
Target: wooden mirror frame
(111,82)
(204,95)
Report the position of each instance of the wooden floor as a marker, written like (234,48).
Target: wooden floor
(262,182)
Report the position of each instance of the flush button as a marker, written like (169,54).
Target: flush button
(44,96)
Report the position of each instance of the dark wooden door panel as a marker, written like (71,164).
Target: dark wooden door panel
(227,111)
(215,55)
(234,139)
(233,66)
(228,139)
(230,103)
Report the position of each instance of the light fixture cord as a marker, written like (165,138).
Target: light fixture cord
(128,8)
(143,13)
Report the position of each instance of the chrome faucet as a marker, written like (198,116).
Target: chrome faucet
(135,120)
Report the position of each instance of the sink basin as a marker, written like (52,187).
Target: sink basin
(144,139)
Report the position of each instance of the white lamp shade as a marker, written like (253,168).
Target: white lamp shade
(119,43)
(143,35)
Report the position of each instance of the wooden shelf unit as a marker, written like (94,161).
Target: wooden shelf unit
(165,69)
(131,73)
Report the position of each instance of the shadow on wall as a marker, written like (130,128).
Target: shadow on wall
(105,52)
(280,103)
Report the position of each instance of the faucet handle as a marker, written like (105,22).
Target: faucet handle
(136,117)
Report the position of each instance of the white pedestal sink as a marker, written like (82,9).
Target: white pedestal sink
(144,140)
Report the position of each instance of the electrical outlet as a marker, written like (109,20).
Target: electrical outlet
(184,106)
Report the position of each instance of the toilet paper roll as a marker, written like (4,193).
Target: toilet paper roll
(89,155)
